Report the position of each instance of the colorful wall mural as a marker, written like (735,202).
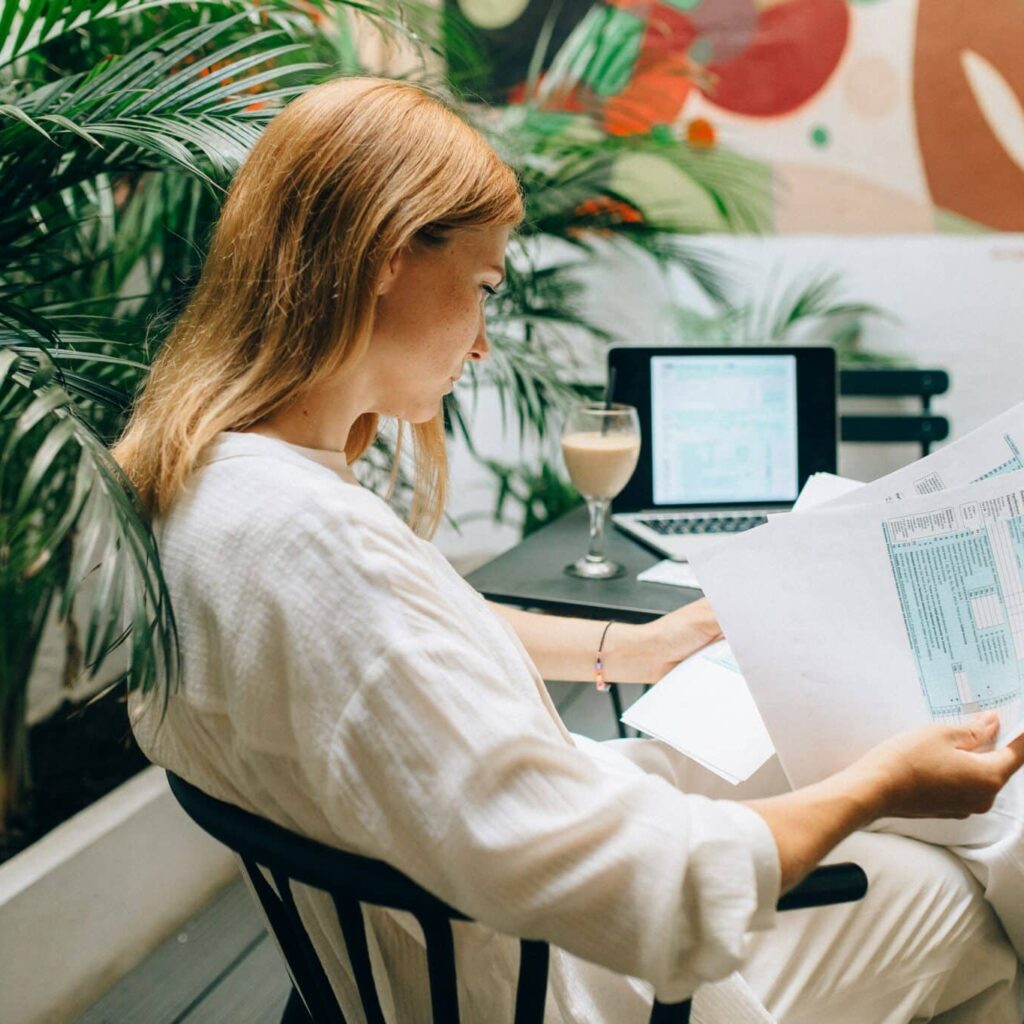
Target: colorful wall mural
(872,116)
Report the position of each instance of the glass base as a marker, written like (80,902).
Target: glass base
(585,569)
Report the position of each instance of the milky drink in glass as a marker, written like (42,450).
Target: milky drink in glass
(601,447)
(600,465)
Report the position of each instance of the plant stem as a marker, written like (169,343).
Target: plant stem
(14,676)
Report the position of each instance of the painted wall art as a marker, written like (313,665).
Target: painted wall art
(871,116)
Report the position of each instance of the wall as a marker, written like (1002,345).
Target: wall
(959,304)
(879,139)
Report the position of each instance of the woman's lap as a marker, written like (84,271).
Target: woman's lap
(923,941)
(992,848)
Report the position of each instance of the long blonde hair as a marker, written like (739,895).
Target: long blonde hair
(341,180)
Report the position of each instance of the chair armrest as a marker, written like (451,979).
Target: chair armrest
(833,883)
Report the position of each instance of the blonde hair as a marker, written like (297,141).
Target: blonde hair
(341,180)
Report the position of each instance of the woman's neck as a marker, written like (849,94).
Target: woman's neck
(321,418)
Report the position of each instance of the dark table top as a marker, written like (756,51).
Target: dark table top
(531,574)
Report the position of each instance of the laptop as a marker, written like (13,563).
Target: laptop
(728,436)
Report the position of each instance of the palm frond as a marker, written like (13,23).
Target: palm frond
(811,309)
(27,26)
(74,140)
(59,483)
(163,110)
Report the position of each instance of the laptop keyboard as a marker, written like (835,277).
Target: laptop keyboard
(671,525)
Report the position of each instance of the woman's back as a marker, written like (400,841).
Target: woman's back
(294,587)
(341,679)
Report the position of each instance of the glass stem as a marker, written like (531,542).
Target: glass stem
(598,509)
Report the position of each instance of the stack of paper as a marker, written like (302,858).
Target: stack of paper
(894,604)
(872,609)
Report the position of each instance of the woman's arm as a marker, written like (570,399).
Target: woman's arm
(564,648)
(938,771)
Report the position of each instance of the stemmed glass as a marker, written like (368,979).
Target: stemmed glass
(601,446)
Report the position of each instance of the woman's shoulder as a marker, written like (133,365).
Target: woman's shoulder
(252,495)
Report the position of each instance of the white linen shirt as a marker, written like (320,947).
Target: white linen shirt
(341,679)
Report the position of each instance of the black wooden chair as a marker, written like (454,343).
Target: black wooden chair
(351,880)
(894,382)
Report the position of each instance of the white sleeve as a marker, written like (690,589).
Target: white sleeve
(429,750)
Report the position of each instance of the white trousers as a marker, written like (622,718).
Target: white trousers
(928,941)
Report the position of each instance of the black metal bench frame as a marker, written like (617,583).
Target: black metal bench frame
(894,382)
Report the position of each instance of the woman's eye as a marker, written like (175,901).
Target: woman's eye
(489,292)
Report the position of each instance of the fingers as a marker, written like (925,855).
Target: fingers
(696,619)
(978,733)
(1017,746)
(953,771)
(1006,760)
(707,621)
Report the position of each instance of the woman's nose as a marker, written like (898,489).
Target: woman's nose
(481,347)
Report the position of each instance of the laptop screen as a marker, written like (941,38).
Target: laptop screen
(724,429)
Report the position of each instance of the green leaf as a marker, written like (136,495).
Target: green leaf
(42,463)
(9,110)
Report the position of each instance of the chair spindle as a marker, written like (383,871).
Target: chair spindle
(353,930)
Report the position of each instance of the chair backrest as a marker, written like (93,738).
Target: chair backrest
(894,382)
(350,881)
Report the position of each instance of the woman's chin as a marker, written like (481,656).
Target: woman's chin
(425,414)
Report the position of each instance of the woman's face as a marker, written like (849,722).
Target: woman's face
(430,319)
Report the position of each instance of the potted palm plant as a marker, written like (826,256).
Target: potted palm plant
(107,152)
(120,124)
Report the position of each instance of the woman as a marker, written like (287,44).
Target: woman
(342,680)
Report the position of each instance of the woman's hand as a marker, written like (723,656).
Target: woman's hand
(672,638)
(940,771)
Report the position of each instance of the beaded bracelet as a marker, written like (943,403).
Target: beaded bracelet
(599,662)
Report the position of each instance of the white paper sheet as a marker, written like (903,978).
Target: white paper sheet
(704,709)
(994,449)
(822,488)
(698,709)
(854,622)
(674,574)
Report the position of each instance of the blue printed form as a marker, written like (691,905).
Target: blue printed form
(724,429)
(963,603)
(1012,463)
(890,605)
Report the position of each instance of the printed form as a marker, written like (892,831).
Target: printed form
(948,572)
(853,623)
(957,571)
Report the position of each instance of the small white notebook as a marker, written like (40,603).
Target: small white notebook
(703,709)
(675,574)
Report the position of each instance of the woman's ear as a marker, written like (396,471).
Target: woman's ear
(391,271)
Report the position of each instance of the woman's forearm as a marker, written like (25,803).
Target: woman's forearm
(805,824)
(809,822)
(565,648)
